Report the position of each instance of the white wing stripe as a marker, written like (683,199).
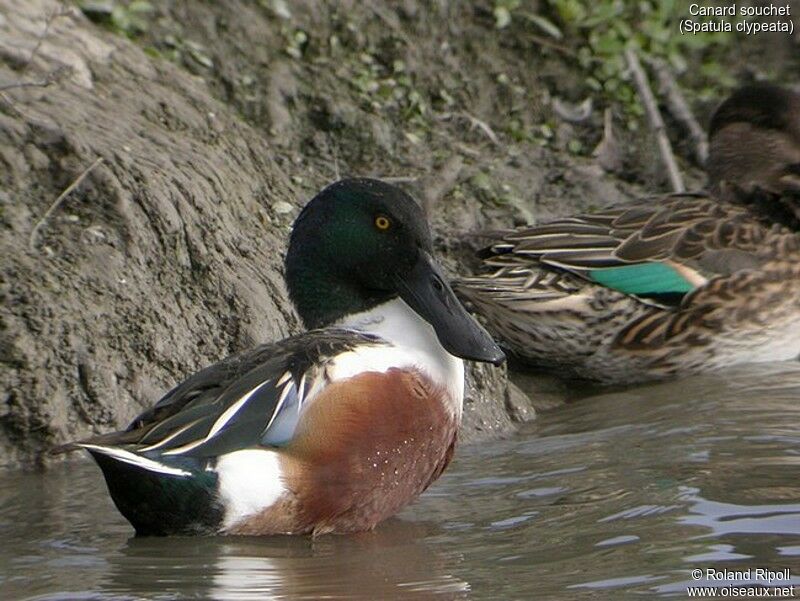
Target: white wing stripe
(137,460)
(187,447)
(287,375)
(164,441)
(284,393)
(301,387)
(222,420)
(228,414)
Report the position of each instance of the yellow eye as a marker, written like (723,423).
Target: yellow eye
(382,222)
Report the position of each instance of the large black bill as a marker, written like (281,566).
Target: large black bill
(426,290)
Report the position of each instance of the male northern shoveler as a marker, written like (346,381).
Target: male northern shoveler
(680,284)
(332,430)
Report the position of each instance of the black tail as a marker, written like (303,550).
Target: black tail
(161,504)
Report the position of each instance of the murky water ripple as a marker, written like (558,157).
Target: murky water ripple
(625,492)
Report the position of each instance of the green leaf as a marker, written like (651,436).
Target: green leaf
(140,6)
(545,25)
(502,17)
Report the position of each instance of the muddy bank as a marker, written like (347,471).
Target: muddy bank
(214,126)
(167,256)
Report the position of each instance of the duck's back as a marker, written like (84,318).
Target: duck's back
(669,285)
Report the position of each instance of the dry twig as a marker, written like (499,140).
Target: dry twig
(57,202)
(608,152)
(49,79)
(336,173)
(483,126)
(680,109)
(61,11)
(399,179)
(53,76)
(541,41)
(438,183)
(15,108)
(656,122)
(474,122)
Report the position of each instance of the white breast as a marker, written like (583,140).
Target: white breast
(249,481)
(413,344)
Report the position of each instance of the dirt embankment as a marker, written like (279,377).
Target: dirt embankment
(214,127)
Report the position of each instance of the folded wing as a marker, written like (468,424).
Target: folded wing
(659,249)
(251,399)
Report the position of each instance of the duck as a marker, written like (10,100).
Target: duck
(667,285)
(329,431)
(754,140)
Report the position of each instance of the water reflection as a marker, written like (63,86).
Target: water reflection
(728,518)
(622,492)
(391,562)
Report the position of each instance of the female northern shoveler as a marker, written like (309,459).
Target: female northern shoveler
(680,284)
(755,140)
(332,430)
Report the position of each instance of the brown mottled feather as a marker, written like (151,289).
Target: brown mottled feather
(366,447)
(738,250)
(541,301)
(682,228)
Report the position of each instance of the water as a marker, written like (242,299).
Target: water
(621,494)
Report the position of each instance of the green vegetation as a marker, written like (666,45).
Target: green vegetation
(387,84)
(389,87)
(130,19)
(133,19)
(382,82)
(596,34)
